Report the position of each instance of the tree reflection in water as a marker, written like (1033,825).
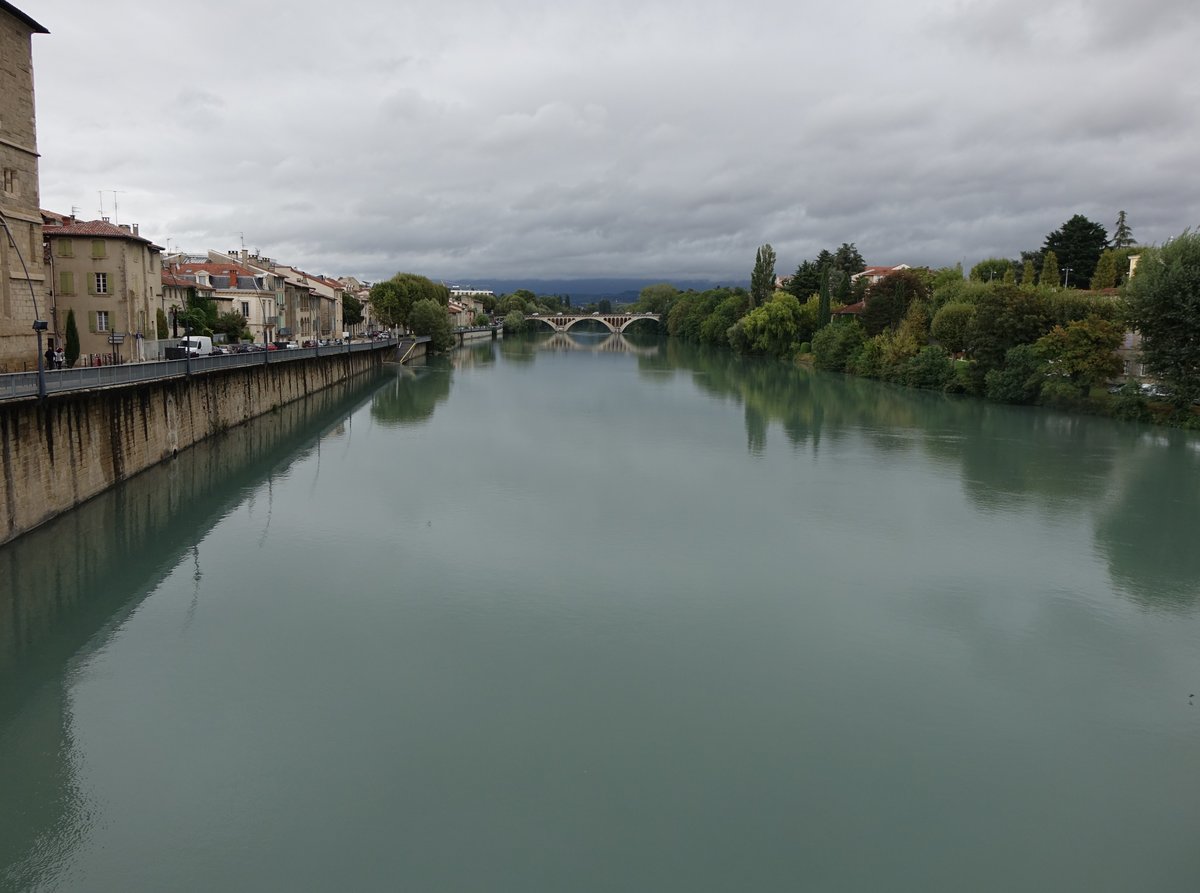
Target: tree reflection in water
(411,397)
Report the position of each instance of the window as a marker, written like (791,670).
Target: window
(246,309)
(101,283)
(10,180)
(98,248)
(64,247)
(101,320)
(66,282)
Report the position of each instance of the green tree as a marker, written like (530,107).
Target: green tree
(762,277)
(1028,276)
(805,282)
(161,329)
(232,325)
(657,298)
(604,305)
(1083,352)
(1164,305)
(823,315)
(481,319)
(1003,319)
(352,310)
(1019,379)
(1010,276)
(1050,277)
(771,329)
(514,321)
(392,300)
(848,259)
(951,325)
(1106,271)
(990,270)
(888,300)
(429,317)
(1077,246)
(835,346)
(71,349)
(1122,234)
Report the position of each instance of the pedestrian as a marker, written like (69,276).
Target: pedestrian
(60,358)
(50,357)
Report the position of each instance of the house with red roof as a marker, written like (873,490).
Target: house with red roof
(111,277)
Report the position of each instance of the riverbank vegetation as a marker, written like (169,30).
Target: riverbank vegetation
(1003,332)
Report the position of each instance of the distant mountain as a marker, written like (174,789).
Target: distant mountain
(587,290)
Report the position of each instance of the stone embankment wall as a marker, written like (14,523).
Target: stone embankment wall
(59,454)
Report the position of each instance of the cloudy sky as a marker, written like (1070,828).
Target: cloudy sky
(660,138)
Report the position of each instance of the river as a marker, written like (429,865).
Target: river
(582,613)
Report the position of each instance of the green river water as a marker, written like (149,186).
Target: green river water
(587,614)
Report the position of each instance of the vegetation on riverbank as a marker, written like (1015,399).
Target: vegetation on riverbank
(992,335)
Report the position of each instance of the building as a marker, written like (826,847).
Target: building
(236,288)
(178,292)
(23,298)
(111,277)
(875,274)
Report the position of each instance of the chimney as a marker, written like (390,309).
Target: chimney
(135,229)
(125,226)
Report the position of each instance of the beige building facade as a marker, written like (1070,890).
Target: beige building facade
(111,278)
(22,274)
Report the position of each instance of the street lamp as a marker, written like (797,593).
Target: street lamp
(1066,276)
(39,325)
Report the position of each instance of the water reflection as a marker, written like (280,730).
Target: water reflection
(67,583)
(1140,488)
(411,396)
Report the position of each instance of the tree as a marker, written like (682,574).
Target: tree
(232,325)
(1106,271)
(951,325)
(514,321)
(161,330)
(1164,305)
(835,346)
(1083,352)
(429,317)
(392,300)
(352,310)
(1077,245)
(823,301)
(656,298)
(71,349)
(848,259)
(1003,319)
(762,278)
(1050,275)
(771,329)
(604,305)
(990,270)
(1122,234)
(1028,275)
(888,300)
(805,282)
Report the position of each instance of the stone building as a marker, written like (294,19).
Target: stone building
(111,277)
(22,275)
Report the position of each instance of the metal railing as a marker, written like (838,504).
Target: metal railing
(22,385)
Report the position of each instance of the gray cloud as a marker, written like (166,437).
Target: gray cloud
(659,138)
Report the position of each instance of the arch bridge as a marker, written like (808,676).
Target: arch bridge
(614,322)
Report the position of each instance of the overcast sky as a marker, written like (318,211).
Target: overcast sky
(660,138)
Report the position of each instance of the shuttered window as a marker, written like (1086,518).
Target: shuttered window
(98,248)
(64,247)
(66,282)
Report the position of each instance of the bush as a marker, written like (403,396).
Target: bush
(836,344)
(805,347)
(932,368)
(1019,380)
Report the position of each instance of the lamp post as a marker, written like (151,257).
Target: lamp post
(39,325)
(1066,276)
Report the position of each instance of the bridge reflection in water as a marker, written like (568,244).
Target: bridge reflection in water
(596,344)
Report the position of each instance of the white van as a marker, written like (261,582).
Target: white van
(197,345)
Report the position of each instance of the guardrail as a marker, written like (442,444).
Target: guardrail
(22,385)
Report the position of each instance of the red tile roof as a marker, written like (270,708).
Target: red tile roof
(91,229)
(852,309)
